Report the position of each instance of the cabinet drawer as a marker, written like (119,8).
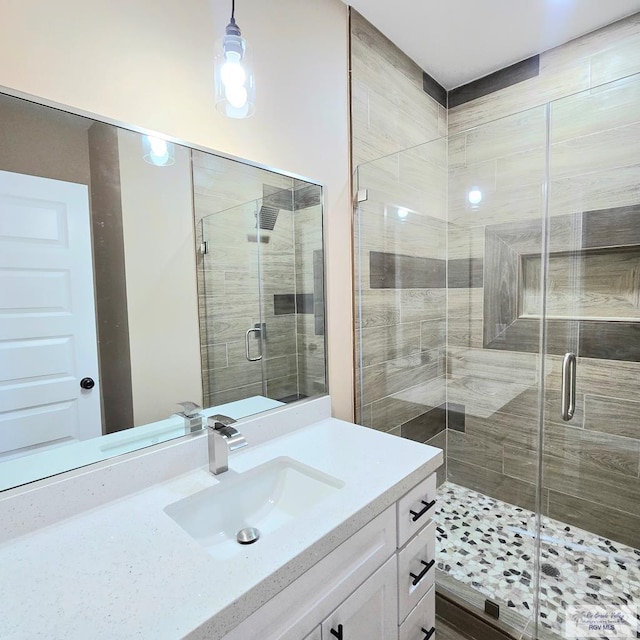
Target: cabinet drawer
(421,622)
(416,569)
(415,509)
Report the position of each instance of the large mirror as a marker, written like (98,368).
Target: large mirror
(136,274)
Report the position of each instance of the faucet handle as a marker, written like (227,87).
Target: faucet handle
(222,425)
(189,409)
(218,420)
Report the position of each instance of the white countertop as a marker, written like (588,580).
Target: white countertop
(125,569)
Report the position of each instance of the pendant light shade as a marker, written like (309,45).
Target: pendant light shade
(234,79)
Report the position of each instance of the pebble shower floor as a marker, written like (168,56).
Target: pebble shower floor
(489,545)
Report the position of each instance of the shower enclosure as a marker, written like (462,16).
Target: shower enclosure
(498,318)
(260,283)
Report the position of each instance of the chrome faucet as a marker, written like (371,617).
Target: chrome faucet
(222,438)
(193,419)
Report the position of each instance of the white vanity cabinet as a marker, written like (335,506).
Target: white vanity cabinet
(377,585)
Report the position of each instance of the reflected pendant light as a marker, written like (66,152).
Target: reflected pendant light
(157,151)
(234,79)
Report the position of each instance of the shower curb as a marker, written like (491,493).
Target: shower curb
(474,625)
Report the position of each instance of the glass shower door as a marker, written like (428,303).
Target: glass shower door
(590,534)
(488,506)
(258,308)
(231,305)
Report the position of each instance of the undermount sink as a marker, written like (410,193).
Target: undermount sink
(265,497)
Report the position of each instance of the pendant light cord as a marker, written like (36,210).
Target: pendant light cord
(232,28)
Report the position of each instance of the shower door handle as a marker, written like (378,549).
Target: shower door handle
(568,386)
(257,330)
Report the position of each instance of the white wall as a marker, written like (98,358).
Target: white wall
(149,63)
(160,267)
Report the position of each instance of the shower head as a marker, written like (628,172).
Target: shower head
(266,217)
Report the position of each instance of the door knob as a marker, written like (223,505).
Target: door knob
(87,383)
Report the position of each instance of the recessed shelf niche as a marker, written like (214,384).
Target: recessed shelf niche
(601,284)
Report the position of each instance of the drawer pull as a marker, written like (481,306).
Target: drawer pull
(338,633)
(423,573)
(418,514)
(429,633)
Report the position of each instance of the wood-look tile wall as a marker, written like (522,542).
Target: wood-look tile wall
(591,464)
(390,110)
(607,54)
(400,315)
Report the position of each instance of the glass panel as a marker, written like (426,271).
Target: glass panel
(448,331)
(590,563)
(495,240)
(400,270)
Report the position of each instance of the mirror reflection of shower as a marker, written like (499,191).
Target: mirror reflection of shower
(265,334)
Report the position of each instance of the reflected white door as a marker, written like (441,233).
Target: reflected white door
(47,315)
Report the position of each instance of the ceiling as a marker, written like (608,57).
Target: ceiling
(457,41)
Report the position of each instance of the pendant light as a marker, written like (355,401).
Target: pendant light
(234,79)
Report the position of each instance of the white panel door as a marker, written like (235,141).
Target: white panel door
(47,315)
